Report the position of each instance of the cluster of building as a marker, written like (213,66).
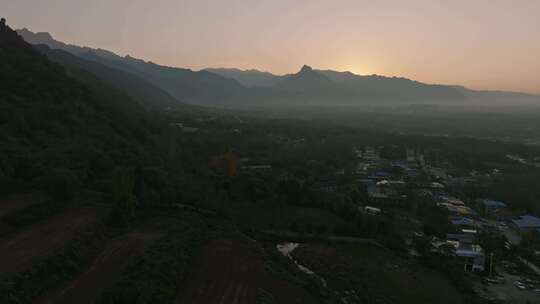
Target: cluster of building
(184,128)
(468,217)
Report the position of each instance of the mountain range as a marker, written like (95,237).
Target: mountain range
(184,85)
(163,86)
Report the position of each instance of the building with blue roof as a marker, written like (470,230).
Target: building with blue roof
(527,223)
(462,221)
(491,206)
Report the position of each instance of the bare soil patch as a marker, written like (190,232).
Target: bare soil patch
(18,251)
(104,271)
(232,272)
(15,202)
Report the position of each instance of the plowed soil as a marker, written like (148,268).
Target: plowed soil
(18,251)
(104,271)
(232,272)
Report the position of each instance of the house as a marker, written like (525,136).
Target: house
(526,224)
(411,155)
(491,206)
(437,173)
(390,187)
(463,221)
(184,128)
(471,254)
(328,184)
(411,172)
(457,209)
(370,154)
(450,200)
(371,210)
(436,186)
(464,238)
(190,129)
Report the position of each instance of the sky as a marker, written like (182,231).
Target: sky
(482,44)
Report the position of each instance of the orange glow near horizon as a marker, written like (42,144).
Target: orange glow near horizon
(481,44)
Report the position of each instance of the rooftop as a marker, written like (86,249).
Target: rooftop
(493,204)
(527,221)
(463,222)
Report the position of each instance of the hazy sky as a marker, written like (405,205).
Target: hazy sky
(484,44)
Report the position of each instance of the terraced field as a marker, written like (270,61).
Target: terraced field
(79,258)
(232,272)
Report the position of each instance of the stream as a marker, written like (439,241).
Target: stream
(286,249)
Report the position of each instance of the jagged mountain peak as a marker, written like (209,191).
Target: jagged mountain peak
(306,69)
(308,73)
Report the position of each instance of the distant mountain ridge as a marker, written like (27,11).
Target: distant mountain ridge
(305,80)
(248,78)
(47,39)
(377,87)
(140,90)
(346,86)
(232,87)
(200,87)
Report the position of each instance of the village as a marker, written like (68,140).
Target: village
(503,270)
(414,195)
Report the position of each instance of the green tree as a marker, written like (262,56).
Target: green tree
(123,194)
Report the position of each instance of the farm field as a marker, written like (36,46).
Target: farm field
(18,251)
(104,271)
(369,274)
(15,202)
(233,271)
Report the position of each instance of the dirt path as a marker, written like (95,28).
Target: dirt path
(232,272)
(104,271)
(12,203)
(17,252)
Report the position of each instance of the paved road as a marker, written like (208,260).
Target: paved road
(507,291)
(533,267)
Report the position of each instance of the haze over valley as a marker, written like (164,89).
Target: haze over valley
(269,152)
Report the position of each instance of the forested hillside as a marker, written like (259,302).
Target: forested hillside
(55,127)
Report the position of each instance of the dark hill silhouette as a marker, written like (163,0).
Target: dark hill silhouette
(232,87)
(53,119)
(200,87)
(311,84)
(375,86)
(46,39)
(248,78)
(140,90)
